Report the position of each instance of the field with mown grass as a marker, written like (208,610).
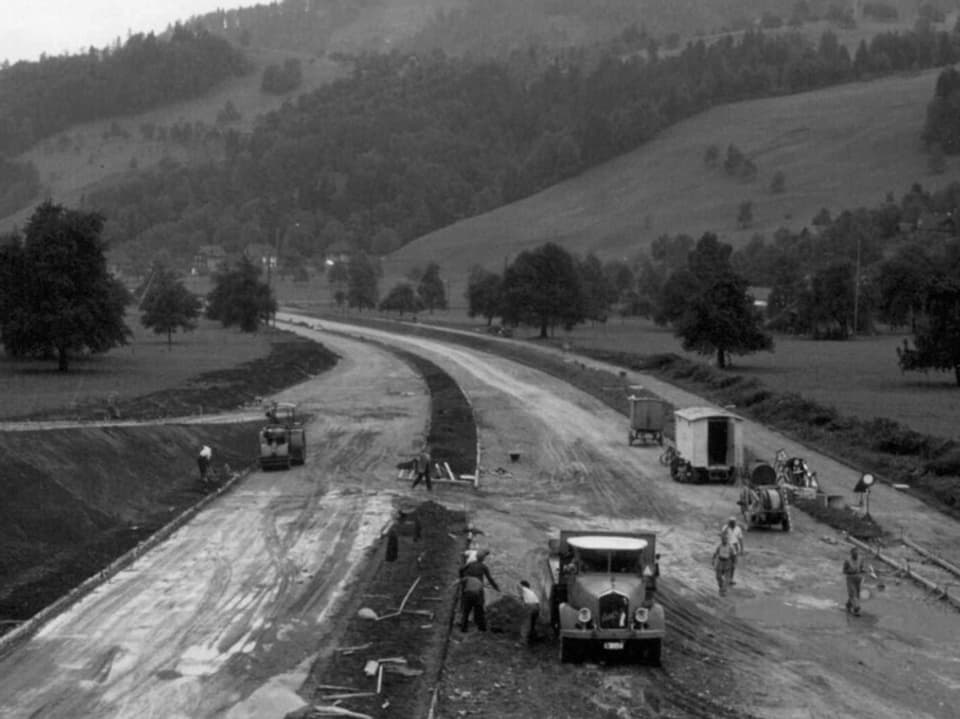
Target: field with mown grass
(144,366)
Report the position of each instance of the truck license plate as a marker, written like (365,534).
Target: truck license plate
(613,645)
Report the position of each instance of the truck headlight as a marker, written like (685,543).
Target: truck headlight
(641,615)
(584,616)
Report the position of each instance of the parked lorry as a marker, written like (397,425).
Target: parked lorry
(283,440)
(709,446)
(763,500)
(603,594)
(647,417)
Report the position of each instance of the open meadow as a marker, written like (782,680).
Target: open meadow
(839,148)
(143,366)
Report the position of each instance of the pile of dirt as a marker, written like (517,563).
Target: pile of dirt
(504,615)
(423,571)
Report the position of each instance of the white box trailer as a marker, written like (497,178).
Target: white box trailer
(709,445)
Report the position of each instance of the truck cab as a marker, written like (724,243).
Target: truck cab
(603,595)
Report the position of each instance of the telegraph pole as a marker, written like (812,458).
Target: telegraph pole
(856,289)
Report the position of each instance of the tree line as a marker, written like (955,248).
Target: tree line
(409,144)
(40,99)
(58,301)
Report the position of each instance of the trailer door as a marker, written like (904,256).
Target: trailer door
(718,440)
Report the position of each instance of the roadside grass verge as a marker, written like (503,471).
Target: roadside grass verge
(214,371)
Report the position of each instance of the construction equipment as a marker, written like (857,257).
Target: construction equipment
(647,417)
(283,441)
(795,476)
(603,594)
(709,446)
(763,500)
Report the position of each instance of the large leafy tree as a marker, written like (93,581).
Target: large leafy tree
(240,298)
(402,299)
(168,306)
(721,320)
(936,342)
(598,292)
(709,306)
(56,296)
(902,285)
(362,282)
(484,294)
(827,305)
(542,288)
(431,289)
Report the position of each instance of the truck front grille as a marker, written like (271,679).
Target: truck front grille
(614,611)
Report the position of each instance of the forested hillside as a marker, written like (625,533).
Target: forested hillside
(39,99)
(409,144)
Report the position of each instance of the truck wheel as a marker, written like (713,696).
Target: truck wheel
(570,650)
(786,522)
(630,439)
(654,649)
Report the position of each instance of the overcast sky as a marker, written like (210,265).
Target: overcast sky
(31,27)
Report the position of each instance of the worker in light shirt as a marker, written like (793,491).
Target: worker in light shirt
(530,614)
(735,537)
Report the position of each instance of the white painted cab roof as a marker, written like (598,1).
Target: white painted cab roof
(594,541)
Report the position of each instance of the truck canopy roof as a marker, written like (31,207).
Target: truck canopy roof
(609,543)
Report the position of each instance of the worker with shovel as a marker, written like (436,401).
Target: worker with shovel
(471,596)
(853,570)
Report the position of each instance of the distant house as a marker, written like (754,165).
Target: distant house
(208,259)
(263,256)
(339,251)
(936,222)
(761,296)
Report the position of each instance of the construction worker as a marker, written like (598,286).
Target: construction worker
(471,585)
(735,536)
(724,560)
(422,468)
(853,569)
(203,462)
(531,613)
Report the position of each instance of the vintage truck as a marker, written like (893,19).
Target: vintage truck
(603,594)
(283,441)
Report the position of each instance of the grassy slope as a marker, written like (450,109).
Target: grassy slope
(839,148)
(145,365)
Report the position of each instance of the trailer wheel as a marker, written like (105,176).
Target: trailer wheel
(786,522)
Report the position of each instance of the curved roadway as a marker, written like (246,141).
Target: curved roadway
(223,619)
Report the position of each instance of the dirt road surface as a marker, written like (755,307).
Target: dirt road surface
(782,633)
(224,618)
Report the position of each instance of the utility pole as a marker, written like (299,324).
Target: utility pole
(856,289)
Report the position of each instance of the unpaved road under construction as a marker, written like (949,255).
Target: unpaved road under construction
(224,618)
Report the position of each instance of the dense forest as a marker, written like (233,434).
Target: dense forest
(40,99)
(411,143)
